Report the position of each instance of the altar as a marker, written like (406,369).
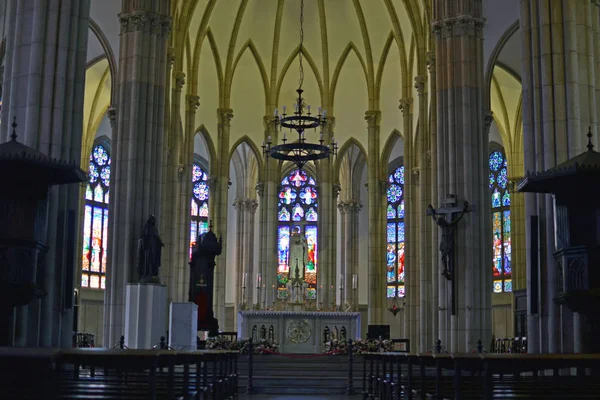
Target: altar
(298,331)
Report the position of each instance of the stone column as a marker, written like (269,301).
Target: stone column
(561,48)
(411,266)
(267,192)
(249,242)
(352,209)
(376,288)
(426,283)
(220,209)
(174,270)
(344,248)
(260,191)
(462,165)
(432,159)
(240,206)
(43,88)
(138,147)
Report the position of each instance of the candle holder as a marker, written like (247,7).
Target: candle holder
(244,305)
(355,299)
(258,297)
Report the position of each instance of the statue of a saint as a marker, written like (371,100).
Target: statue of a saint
(447,240)
(149,252)
(298,253)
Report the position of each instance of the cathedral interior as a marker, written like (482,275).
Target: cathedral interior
(167,106)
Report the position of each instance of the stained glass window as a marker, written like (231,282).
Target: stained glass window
(199,221)
(395,234)
(500,198)
(297,208)
(95,219)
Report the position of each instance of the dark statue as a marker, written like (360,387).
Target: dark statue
(202,277)
(447,241)
(149,252)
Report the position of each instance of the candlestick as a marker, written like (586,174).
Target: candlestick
(258,280)
(244,279)
(341,281)
(354,281)
(274,296)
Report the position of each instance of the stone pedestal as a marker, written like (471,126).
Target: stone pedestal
(183,326)
(145,315)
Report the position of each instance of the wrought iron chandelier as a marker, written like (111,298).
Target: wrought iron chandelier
(300,152)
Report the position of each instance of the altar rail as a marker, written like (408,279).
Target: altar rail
(117,374)
(480,376)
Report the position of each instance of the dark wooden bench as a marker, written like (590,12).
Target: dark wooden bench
(480,376)
(118,374)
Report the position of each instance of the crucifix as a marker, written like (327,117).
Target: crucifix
(445,219)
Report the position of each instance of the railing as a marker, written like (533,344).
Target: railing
(478,375)
(152,374)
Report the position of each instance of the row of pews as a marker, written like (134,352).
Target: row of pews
(113,374)
(481,376)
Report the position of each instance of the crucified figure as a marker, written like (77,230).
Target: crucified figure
(447,242)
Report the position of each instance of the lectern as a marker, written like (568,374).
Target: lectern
(25,180)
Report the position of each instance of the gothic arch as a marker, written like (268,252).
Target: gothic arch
(210,147)
(110,56)
(255,150)
(351,47)
(492,62)
(249,45)
(342,153)
(312,65)
(393,138)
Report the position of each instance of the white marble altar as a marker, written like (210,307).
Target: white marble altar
(145,315)
(183,326)
(298,331)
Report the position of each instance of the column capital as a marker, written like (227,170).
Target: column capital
(355,206)
(405,106)
(170,57)
(251,205)
(225,115)
(112,116)
(144,21)
(463,25)
(420,83)
(342,207)
(239,204)
(383,186)
(373,117)
(337,188)
(430,60)
(193,102)
(179,80)
(260,188)
(488,118)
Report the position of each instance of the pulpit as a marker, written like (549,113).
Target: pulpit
(574,185)
(202,272)
(23,209)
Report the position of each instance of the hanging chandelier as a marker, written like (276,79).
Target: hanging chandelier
(300,151)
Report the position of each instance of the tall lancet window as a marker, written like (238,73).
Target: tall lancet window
(395,234)
(500,198)
(95,219)
(297,208)
(199,223)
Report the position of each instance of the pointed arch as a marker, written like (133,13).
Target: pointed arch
(249,45)
(289,166)
(406,84)
(312,65)
(110,56)
(342,153)
(381,66)
(338,68)
(489,73)
(391,141)
(193,88)
(210,147)
(255,150)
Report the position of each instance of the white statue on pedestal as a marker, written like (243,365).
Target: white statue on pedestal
(298,257)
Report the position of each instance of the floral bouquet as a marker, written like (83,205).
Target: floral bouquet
(359,346)
(262,346)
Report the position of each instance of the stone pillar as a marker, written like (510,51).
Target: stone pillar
(561,48)
(260,191)
(426,283)
(246,209)
(376,288)
(220,204)
(43,87)
(349,250)
(174,270)
(433,249)
(462,165)
(249,242)
(411,266)
(344,248)
(138,148)
(240,206)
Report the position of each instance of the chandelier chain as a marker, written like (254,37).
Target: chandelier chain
(301,80)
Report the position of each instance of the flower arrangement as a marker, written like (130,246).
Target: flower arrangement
(261,346)
(359,346)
